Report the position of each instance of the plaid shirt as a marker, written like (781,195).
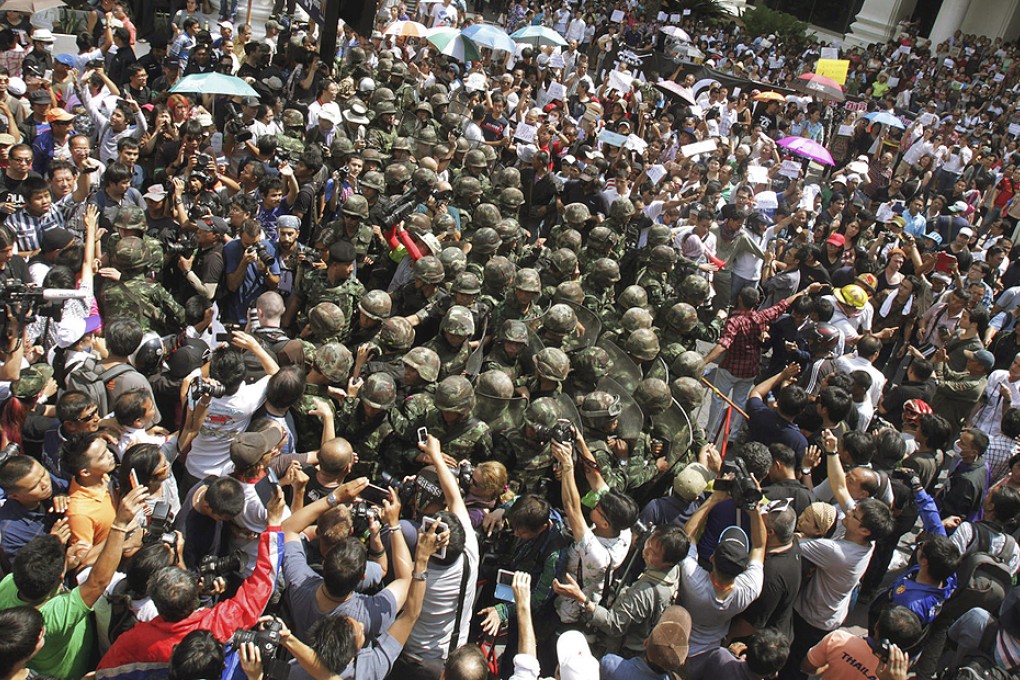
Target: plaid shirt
(1000,449)
(741,337)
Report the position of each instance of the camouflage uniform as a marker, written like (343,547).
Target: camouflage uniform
(307,426)
(149,303)
(316,288)
(454,359)
(655,278)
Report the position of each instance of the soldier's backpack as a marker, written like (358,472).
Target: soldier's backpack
(90,378)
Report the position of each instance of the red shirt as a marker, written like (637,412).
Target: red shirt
(741,337)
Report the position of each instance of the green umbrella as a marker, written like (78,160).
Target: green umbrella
(450,42)
(214,83)
(538,36)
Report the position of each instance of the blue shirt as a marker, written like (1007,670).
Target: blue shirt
(236,303)
(615,667)
(18,525)
(768,427)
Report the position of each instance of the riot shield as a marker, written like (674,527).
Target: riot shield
(674,428)
(625,371)
(474,362)
(589,327)
(631,419)
(499,413)
(568,409)
(659,370)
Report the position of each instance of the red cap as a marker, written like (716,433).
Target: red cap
(836,240)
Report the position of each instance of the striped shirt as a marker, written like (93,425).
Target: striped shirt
(28,228)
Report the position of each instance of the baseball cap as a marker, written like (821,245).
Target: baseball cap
(691,481)
(575,657)
(967,231)
(156,192)
(212,223)
(669,641)
(39,97)
(898,221)
(55,239)
(56,114)
(32,380)
(732,554)
(836,240)
(982,356)
(66,59)
(249,447)
(250,101)
(959,206)
(934,236)
(16,86)
(70,331)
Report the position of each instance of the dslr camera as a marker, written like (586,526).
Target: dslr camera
(160,528)
(362,515)
(262,252)
(561,432)
(213,566)
(266,636)
(738,482)
(201,387)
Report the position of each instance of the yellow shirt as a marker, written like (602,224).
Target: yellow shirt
(90,513)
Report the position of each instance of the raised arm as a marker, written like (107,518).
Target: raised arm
(308,515)
(571,497)
(428,543)
(447,482)
(696,523)
(242,340)
(109,559)
(758,536)
(762,389)
(837,477)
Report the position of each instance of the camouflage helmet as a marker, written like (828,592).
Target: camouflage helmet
(396,333)
(490,154)
(131,218)
(292,118)
(689,363)
(600,407)
(601,236)
(682,317)
(130,255)
(653,396)
(429,269)
(576,214)
(542,413)
(326,320)
(466,283)
(552,364)
(334,361)
(570,239)
(594,362)
(560,319)
(568,291)
(439,99)
(528,281)
(450,123)
(513,330)
(659,235)
(563,262)
(511,198)
(458,321)
(399,70)
(340,148)
(621,210)
(425,361)
(662,257)
(453,259)
(642,344)
(401,144)
(475,158)
(485,215)
(485,241)
(379,391)
(632,296)
(635,318)
(455,395)
(376,304)
(509,230)
(374,180)
(498,274)
(424,179)
(396,174)
(444,224)
(465,186)
(495,383)
(383,94)
(383,108)
(424,106)
(508,177)
(356,205)
(694,290)
(688,392)
(605,272)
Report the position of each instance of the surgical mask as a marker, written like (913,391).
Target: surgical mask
(47,47)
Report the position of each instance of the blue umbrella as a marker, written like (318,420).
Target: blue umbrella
(885,118)
(539,36)
(489,36)
(214,83)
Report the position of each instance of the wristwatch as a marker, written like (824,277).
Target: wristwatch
(420,576)
(332,501)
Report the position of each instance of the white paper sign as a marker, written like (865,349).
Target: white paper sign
(893,81)
(846,130)
(807,199)
(757,174)
(556,61)
(619,81)
(948,63)
(656,173)
(790,169)
(904,50)
(525,132)
(830,53)
(662,17)
(884,213)
(617,16)
(557,91)
(687,12)
(636,143)
(691,150)
(1014,129)
(475,82)
(767,200)
(674,18)
(696,110)
(998,77)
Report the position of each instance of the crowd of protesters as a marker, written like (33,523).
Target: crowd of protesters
(469,363)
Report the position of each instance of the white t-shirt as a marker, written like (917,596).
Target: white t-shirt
(712,621)
(443,15)
(587,561)
(227,418)
(825,601)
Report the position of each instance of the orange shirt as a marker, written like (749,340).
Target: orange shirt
(90,513)
(846,657)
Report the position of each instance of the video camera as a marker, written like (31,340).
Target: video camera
(160,528)
(738,482)
(28,302)
(404,205)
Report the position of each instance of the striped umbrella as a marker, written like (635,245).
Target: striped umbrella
(407,29)
(818,86)
(450,42)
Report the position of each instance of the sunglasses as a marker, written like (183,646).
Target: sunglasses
(88,416)
(778,505)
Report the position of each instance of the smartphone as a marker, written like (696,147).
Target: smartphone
(274,481)
(423,435)
(427,522)
(504,586)
(133,478)
(375,494)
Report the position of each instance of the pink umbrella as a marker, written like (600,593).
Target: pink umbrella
(808,148)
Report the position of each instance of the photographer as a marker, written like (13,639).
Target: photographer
(841,653)
(175,593)
(203,270)
(252,268)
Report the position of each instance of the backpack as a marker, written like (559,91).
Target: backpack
(980,663)
(983,577)
(90,378)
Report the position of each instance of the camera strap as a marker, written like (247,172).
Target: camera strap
(465,575)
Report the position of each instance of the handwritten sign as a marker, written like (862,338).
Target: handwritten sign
(998,77)
(617,16)
(767,200)
(691,150)
(830,53)
(619,81)
(893,81)
(807,199)
(475,82)
(556,61)
(612,138)
(790,169)
(525,132)
(557,91)
(833,68)
(846,131)
(636,143)
(656,173)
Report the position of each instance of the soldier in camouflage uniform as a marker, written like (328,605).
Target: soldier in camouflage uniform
(551,369)
(382,132)
(467,192)
(463,436)
(403,83)
(494,392)
(396,335)
(620,221)
(325,324)
(374,307)
(354,227)
(464,292)
(454,262)
(511,238)
(631,296)
(601,245)
(633,319)
(622,463)
(484,244)
(559,326)
(452,346)
(422,290)
(642,346)
(589,366)
(363,419)
(522,302)
(678,321)
(695,291)
(559,266)
(655,277)
(497,278)
(600,286)
(133,296)
(333,284)
(331,366)
(130,221)
(508,350)
(476,166)
(525,450)
(509,201)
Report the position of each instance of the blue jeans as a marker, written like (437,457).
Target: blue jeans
(737,284)
(736,389)
(967,631)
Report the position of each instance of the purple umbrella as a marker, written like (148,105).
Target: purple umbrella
(808,148)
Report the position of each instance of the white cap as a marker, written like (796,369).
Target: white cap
(575,657)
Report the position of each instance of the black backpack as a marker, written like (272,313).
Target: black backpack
(983,577)
(90,378)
